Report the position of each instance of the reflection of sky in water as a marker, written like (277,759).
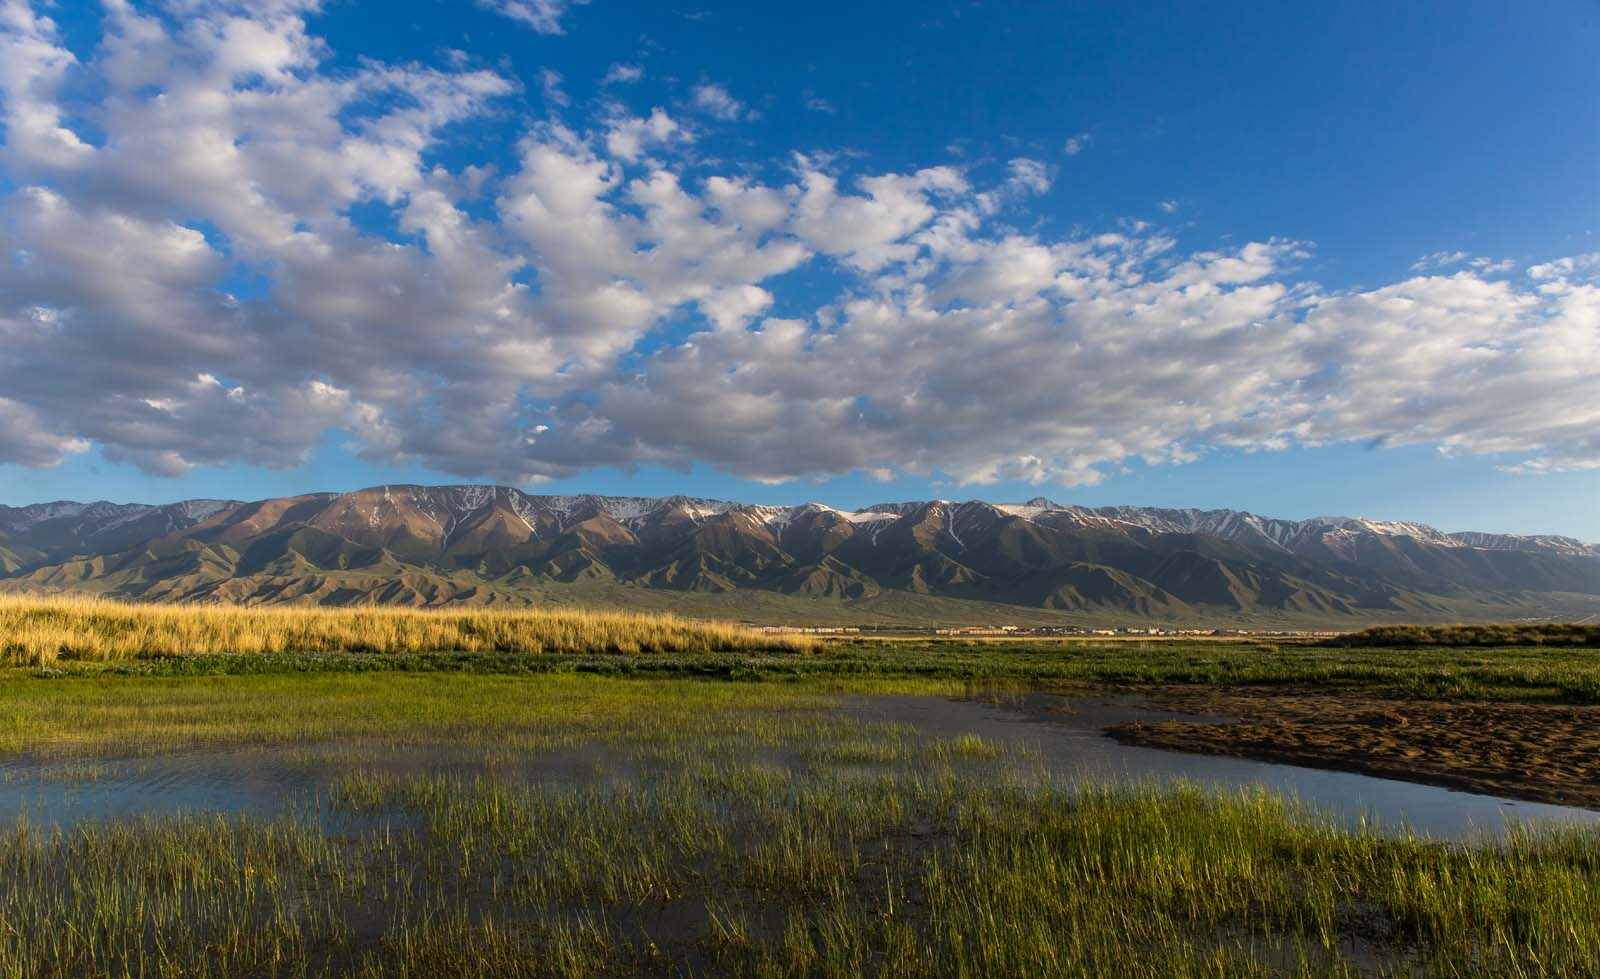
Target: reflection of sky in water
(1062,733)
(1067,732)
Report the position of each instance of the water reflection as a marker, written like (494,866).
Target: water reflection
(1067,732)
(1062,733)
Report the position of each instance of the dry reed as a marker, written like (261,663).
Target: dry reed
(39,631)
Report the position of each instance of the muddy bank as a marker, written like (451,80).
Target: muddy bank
(1539,752)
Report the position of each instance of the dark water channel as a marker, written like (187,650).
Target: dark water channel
(1064,734)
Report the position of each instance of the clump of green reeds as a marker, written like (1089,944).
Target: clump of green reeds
(38,631)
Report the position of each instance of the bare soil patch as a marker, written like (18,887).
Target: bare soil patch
(1542,752)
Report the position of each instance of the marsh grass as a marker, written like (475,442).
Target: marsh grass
(722,828)
(1475,634)
(42,631)
(664,721)
(737,829)
(968,746)
(731,867)
(1523,673)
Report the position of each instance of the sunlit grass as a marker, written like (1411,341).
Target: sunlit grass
(719,828)
(1525,673)
(123,716)
(730,868)
(41,631)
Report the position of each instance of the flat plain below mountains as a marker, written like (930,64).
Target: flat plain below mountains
(924,562)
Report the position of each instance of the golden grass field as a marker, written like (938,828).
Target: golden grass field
(39,631)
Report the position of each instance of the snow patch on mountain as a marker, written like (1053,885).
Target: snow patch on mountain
(870,516)
(449,506)
(1286,535)
(25,517)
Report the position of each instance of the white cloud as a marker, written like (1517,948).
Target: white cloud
(1563,268)
(1169,207)
(1150,363)
(869,230)
(550,81)
(715,101)
(1077,143)
(31,75)
(627,137)
(544,16)
(622,74)
(1439,260)
(1029,175)
(542,331)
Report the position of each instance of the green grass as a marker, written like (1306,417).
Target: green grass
(81,637)
(1481,634)
(736,867)
(91,718)
(1545,673)
(744,828)
(166,704)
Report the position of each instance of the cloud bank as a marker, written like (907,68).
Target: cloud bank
(215,249)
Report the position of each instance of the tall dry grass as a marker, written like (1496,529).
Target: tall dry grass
(38,631)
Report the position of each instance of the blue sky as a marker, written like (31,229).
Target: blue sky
(1294,260)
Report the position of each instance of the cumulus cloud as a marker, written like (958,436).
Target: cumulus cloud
(27,438)
(627,137)
(869,230)
(1563,268)
(1077,143)
(204,283)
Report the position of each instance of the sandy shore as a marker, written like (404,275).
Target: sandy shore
(1540,752)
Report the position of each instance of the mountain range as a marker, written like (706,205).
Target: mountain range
(940,560)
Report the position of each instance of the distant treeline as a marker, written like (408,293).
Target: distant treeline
(1520,634)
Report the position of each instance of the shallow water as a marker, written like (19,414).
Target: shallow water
(1063,734)
(1068,733)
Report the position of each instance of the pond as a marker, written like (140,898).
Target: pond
(1062,736)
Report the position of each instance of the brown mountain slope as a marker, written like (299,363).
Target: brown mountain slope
(419,545)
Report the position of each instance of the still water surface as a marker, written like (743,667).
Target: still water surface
(1063,733)
(1068,732)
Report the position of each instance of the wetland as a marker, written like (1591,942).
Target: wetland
(396,823)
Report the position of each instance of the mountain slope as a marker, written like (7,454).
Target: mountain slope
(419,545)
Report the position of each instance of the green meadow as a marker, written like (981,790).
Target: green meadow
(715,827)
(699,804)
(1519,673)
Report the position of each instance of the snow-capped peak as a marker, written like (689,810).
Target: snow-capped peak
(451,506)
